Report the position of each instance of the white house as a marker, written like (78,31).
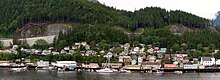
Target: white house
(217,62)
(207,61)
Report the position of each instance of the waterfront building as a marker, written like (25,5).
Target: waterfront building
(207,61)
(170,66)
(191,66)
(65,64)
(133,67)
(90,65)
(151,65)
(42,64)
(217,62)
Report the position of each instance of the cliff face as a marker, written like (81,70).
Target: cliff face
(180,29)
(40,29)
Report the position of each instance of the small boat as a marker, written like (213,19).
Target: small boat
(178,72)
(124,71)
(105,70)
(19,69)
(159,71)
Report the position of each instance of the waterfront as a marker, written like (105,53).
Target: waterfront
(54,75)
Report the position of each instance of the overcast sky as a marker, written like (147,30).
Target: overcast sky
(203,8)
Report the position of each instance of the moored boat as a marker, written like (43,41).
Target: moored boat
(105,70)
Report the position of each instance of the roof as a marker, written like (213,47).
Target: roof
(170,65)
(206,58)
(93,64)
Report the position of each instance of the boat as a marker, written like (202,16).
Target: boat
(159,71)
(105,70)
(124,71)
(19,69)
(178,72)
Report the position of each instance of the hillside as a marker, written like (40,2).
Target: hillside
(16,14)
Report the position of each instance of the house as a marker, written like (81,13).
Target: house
(216,51)
(217,62)
(134,62)
(102,52)
(156,49)
(150,51)
(207,61)
(66,48)
(37,51)
(90,52)
(151,58)
(151,65)
(195,60)
(120,59)
(55,53)
(84,43)
(136,49)
(87,47)
(126,46)
(140,59)
(160,55)
(163,50)
(46,52)
(63,51)
(27,51)
(181,58)
(127,59)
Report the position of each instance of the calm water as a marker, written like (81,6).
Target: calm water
(53,75)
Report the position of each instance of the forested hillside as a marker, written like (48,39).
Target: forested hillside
(16,13)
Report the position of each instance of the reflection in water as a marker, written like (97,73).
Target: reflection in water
(72,75)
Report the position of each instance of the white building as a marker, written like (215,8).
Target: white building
(207,61)
(66,64)
(43,63)
(217,62)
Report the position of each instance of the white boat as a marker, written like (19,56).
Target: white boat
(105,70)
(124,71)
(19,69)
(159,71)
(178,72)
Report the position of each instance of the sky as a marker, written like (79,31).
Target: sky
(202,8)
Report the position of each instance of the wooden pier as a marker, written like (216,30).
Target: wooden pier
(190,70)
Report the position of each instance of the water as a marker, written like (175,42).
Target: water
(54,75)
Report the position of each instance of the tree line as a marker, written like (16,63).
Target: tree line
(17,13)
